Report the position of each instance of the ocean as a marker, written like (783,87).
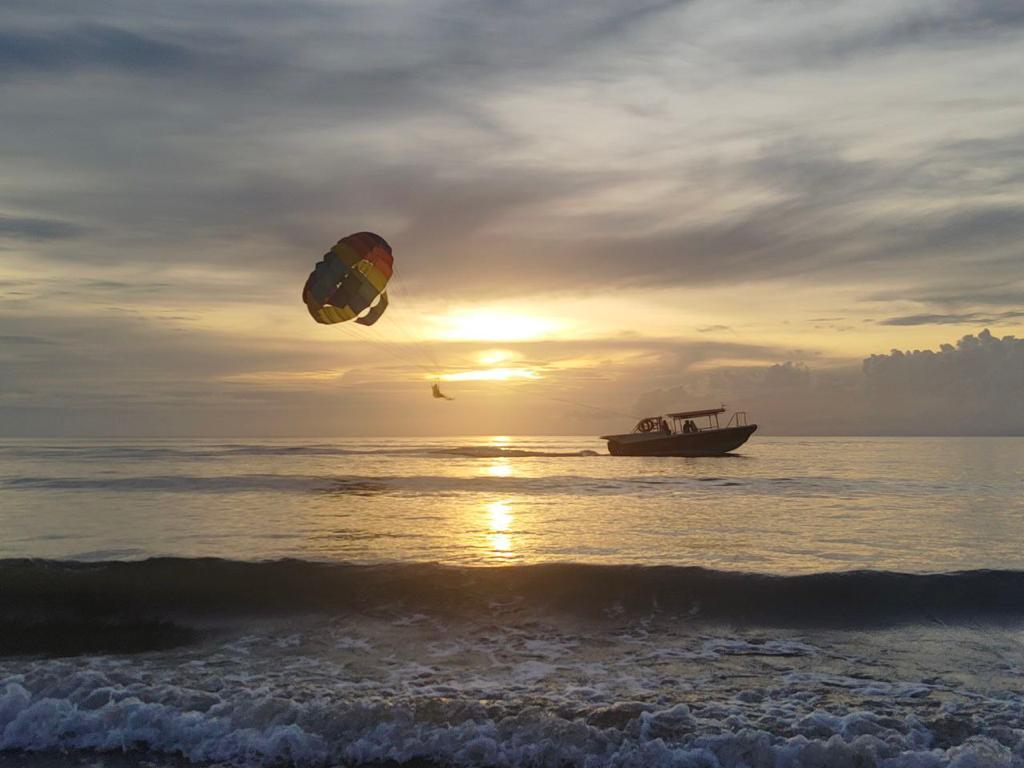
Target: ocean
(511,601)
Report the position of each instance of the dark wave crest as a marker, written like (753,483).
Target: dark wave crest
(139,595)
(205,452)
(465,451)
(496,452)
(352,484)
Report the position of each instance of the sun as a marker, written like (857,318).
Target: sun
(495,356)
(491,374)
(495,325)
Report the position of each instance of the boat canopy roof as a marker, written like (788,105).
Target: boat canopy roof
(694,414)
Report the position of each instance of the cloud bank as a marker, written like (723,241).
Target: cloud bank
(975,387)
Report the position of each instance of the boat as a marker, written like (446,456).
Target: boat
(677,434)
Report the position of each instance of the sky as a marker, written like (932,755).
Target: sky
(813,211)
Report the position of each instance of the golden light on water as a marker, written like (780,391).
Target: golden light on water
(501,543)
(499,468)
(499,521)
(499,516)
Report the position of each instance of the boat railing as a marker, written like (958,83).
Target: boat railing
(740,419)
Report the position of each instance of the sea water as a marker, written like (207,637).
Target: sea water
(512,601)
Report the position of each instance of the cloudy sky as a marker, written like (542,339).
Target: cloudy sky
(617,205)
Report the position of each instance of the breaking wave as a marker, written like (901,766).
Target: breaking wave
(299,663)
(399,484)
(357,484)
(89,601)
(205,452)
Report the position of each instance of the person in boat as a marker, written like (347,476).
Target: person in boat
(665,428)
(689,427)
(435,389)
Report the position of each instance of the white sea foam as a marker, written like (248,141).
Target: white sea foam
(546,694)
(266,730)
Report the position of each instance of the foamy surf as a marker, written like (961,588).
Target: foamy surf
(511,690)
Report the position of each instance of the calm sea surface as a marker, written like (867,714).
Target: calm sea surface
(809,603)
(783,505)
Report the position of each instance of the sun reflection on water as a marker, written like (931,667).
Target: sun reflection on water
(500,516)
(499,521)
(499,468)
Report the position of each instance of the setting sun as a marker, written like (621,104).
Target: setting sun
(491,374)
(495,325)
(495,356)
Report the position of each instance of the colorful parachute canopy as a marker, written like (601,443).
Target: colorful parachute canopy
(349,279)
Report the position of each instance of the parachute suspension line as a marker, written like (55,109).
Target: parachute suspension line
(398,287)
(350,283)
(404,350)
(407,350)
(399,351)
(358,334)
(415,339)
(598,408)
(401,347)
(413,348)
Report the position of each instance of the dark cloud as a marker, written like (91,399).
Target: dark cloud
(86,46)
(25,340)
(971,227)
(967,294)
(376,53)
(31,228)
(825,215)
(784,398)
(205,153)
(953,319)
(947,25)
(973,387)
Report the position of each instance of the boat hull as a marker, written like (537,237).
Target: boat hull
(711,442)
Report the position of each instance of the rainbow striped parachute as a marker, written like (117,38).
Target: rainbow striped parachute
(350,279)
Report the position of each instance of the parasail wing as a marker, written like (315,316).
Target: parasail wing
(375,312)
(349,279)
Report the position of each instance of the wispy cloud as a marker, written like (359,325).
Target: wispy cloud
(32,228)
(87,46)
(954,319)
